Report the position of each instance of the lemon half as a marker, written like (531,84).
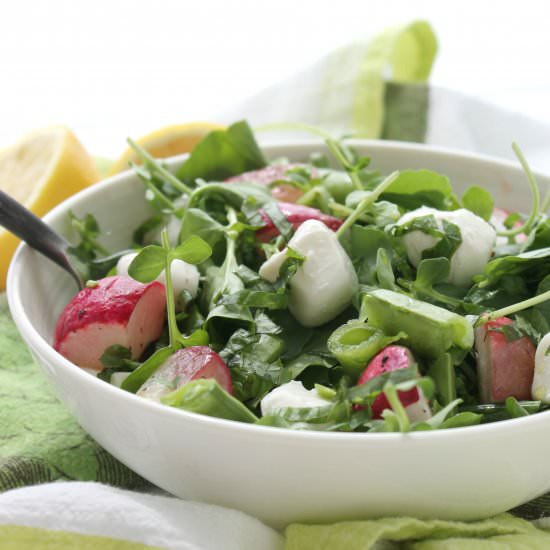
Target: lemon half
(44,168)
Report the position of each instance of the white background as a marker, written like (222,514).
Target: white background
(110,69)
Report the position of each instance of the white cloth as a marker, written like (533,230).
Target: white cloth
(93,509)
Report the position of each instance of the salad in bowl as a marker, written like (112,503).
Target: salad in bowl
(317,294)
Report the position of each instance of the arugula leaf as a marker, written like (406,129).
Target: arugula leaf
(447,245)
(415,188)
(116,358)
(362,394)
(222,154)
(101,267)
(85,253)
(254,360)
(479,201)
(539,237)
(148,226)
(432,272)
(533,265)
(280,221)
(449,236)
(495,412)
(365,244)
(199,223)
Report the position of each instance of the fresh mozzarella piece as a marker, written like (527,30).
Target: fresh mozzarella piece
(184,276)
(269,270)
(540,390)
(420,409)
(325,283)
(118,377)
(470,258)
(292,394)
(124,263)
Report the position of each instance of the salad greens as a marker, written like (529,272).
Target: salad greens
(245,315)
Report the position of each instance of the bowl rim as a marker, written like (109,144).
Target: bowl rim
(34,340)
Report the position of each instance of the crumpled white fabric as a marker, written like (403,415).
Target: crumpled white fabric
(94,509)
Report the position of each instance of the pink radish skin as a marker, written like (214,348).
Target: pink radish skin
(296,214)
(505,368)
(183,366)
(119,310)
(389,359)
(269,174)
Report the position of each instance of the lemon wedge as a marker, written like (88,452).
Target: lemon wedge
(167,142)
(44,168)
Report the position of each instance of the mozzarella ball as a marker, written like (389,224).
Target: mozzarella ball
(184,276)
(470,258)
(292,394)
(325,283)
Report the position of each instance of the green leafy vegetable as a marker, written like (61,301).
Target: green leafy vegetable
(222,154)
(415,188)
(479,201)
(206,396)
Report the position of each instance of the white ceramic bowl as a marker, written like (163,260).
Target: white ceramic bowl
(277,475)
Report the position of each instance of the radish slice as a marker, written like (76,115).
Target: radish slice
(296,214)
(119,311)
(505,368)
(389,359)
(183,366)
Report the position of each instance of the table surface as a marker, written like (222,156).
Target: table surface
(112,69)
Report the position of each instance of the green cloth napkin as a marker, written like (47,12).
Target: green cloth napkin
(39,439)
(501,532)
